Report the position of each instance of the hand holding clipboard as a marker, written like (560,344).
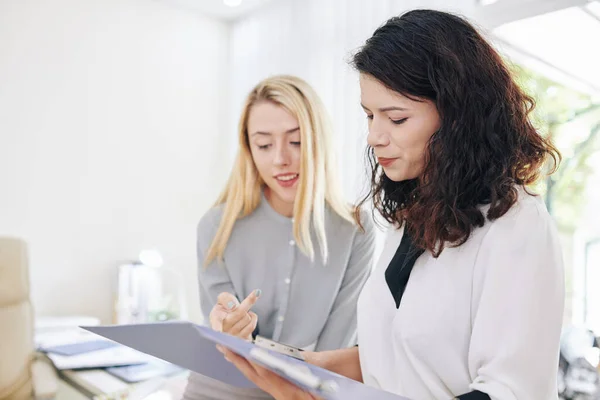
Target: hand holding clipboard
(194,347)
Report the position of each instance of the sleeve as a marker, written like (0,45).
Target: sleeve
(341,323)
(213,278)
(517,308)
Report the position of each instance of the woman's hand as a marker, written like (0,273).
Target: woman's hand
(266,380)
(235,319)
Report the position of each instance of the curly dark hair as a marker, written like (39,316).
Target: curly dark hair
(486,146)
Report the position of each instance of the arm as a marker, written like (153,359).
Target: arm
(220,304)
(345,362)
(213,278)
(517,306)
(340,328)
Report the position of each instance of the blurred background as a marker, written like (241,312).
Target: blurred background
(118,124)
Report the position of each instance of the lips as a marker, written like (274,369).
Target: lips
(385,162)
(287,180)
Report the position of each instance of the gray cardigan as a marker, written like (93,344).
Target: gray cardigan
(304,304)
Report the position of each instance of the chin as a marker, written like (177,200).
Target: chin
(287,195)
(398,176)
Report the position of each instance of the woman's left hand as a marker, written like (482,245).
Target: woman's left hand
(266,380)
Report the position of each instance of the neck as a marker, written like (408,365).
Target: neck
(281,207)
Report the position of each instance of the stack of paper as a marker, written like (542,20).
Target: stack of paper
(70,347)
(110,357)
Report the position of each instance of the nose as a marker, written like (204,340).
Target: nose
(282,154)
(378,135)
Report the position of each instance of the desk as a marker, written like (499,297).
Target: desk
(68,392)
(171,388)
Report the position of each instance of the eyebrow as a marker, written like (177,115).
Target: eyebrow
(293,130)
(384,109)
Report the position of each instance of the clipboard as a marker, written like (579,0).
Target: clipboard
(193,347)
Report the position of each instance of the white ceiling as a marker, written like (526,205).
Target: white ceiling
(218,9)
(498,12)
(563,44)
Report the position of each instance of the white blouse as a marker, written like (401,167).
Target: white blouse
(484,316)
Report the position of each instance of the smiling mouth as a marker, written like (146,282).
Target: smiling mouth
(286,178)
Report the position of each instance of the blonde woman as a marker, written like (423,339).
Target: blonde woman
(281,240)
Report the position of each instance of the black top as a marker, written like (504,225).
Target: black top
(401,265)
(396,277)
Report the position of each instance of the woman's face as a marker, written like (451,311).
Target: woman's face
(399,128)
(274,137)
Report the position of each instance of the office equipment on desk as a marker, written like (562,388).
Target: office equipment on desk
(148,291)
(194,347)
(73,349)
(94,382)
(111,357)
(61,337)
(65,336)
(97,384)
(143,372)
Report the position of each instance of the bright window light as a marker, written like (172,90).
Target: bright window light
(564,39)
(594,8)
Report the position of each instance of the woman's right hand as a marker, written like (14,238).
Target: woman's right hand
(235,319)
(266,380)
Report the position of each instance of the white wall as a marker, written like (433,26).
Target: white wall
(110,140)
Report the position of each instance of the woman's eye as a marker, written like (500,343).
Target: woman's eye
(369,116)
(264,146)
(398,121)
(295,143)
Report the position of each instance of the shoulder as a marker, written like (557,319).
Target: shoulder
(367,235)
(209,223)
(525,236)
(521,246)
(527,215)
(336,223)
(367,221)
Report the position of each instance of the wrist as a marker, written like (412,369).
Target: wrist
(318,358)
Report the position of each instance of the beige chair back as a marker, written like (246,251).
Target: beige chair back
(16,321)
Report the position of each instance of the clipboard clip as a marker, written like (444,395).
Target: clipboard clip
(297,373)
(277,347)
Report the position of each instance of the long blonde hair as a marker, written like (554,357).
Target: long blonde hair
(318,183)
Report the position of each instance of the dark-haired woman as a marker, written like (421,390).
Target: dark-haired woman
(467,298)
